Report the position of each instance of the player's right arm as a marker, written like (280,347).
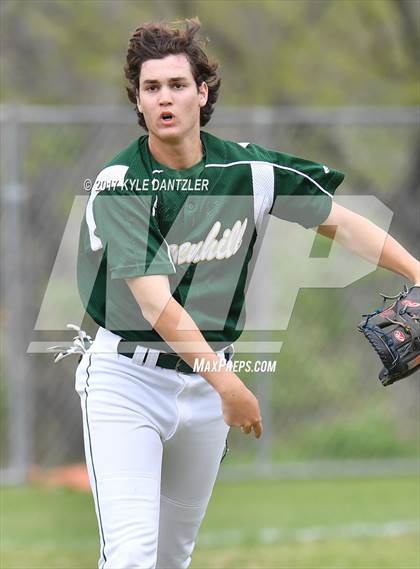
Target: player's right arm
(177,328)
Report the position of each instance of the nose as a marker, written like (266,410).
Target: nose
(165,96)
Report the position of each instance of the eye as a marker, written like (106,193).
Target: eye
(151,88)
(179,86)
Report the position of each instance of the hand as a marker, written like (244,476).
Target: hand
(241,408)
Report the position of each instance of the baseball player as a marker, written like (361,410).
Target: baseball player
(165,251)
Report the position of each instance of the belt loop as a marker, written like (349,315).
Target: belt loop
(139,355)
(151,358)
(230,352)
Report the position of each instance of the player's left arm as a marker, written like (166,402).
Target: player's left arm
(366,239)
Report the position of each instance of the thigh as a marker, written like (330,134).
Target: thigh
(191,457)
(191,460)
(123,455)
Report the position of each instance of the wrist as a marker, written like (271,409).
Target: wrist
(223,382)
(414,277)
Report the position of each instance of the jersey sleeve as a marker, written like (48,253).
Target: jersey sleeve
(302,190)
(127,227)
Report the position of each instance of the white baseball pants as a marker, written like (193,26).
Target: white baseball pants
(154,439)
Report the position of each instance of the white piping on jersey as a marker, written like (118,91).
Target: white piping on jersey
(154,207)
(168,250)
(263,190)
(270,164)
(109,177)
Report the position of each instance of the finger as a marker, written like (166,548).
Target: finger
(258,429)
(246,429)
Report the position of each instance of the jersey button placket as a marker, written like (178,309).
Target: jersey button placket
(191,209)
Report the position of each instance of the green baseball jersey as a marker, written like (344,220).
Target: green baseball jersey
(197,226)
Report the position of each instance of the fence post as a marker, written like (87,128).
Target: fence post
(17,373)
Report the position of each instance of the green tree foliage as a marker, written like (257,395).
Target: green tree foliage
(334,52)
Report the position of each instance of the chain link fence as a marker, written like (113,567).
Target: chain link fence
(325,412)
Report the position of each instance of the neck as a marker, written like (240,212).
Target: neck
(178,155)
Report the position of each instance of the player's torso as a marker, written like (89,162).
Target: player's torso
(206,215)
(208,223)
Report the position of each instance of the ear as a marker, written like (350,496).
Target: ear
(203,93)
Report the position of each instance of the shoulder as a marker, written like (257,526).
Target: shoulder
(124,164)
(262,159)
(129,155)
(229,151)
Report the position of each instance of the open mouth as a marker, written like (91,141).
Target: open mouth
(167,117)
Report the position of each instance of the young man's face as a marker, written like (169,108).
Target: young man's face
(169,98)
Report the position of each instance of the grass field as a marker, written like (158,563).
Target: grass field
(340,524)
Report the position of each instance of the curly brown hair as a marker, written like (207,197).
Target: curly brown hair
(156,41)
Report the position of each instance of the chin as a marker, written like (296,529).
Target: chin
(170,134)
